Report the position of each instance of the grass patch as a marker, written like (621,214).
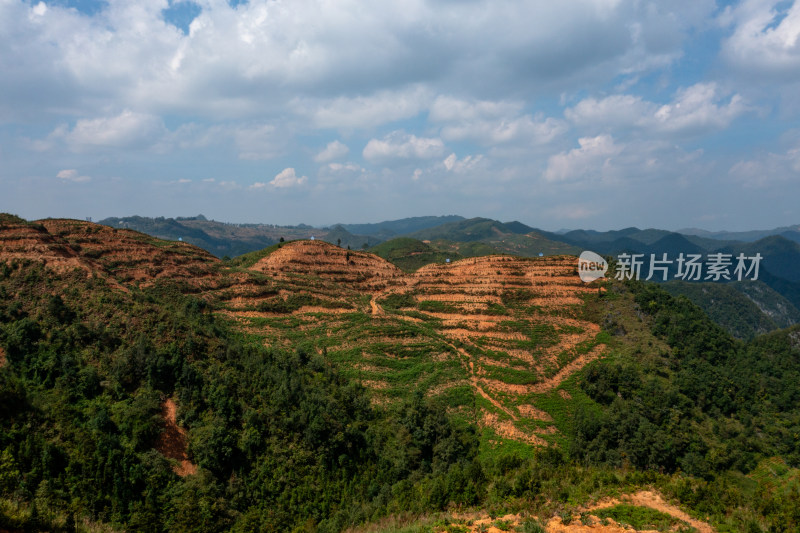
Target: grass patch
(250,259)
(511,376)
(640,517)
(398,301)
(435,306)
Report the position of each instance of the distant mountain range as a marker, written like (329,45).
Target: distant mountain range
(790,232)
(745,309)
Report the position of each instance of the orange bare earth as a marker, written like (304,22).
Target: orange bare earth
(172,442)
(476,522)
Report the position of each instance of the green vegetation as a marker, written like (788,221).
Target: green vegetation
(640,517)
(411,254)
(511,238)
(709,405)
(745,309)
(218,238)
(80,412)
(249,259)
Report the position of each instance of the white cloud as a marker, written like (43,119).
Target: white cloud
(521,129)
(350,167)
(399,145)
(349,64)
(491,123)
(611,111)
(765,39)
(126,130)
(768,168)
(71,174)
(700,107)
(334,150)
(695,108)
(346,112)
(288,178)
(451,109)
(594,155)
(453,164)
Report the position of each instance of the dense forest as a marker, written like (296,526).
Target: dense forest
(280,439)
(283,443)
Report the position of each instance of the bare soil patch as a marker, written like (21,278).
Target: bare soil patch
(529,411)
(507,429)
(172,442)
(646,498)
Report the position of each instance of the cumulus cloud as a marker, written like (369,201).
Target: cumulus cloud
(399,145)
(458,166)
(348,61)
(129,130)
(589,160)
(494,132)
(71,174)
(765,38)
(491,123)
(349,167)
(287,178)
(768,168)
(257,80)
(700,107)
(381,107)
(334,150)
(452,109)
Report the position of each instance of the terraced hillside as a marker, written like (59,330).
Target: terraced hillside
(123,256)
(488,336)
(499,386)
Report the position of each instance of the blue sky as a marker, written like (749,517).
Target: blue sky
(590,113)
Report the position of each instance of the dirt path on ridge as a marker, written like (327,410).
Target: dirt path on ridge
(376,309)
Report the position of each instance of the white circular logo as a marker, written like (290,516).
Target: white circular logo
(591,266)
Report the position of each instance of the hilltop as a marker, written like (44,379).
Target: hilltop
(231,240)
(305,386)
(412,243)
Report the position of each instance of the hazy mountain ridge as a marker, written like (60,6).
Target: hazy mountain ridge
(390,228)
(231,240)
(454,237)
(789,232)
(512,238)
(778,267)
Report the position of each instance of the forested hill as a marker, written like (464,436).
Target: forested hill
(147,386)
(231,240)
